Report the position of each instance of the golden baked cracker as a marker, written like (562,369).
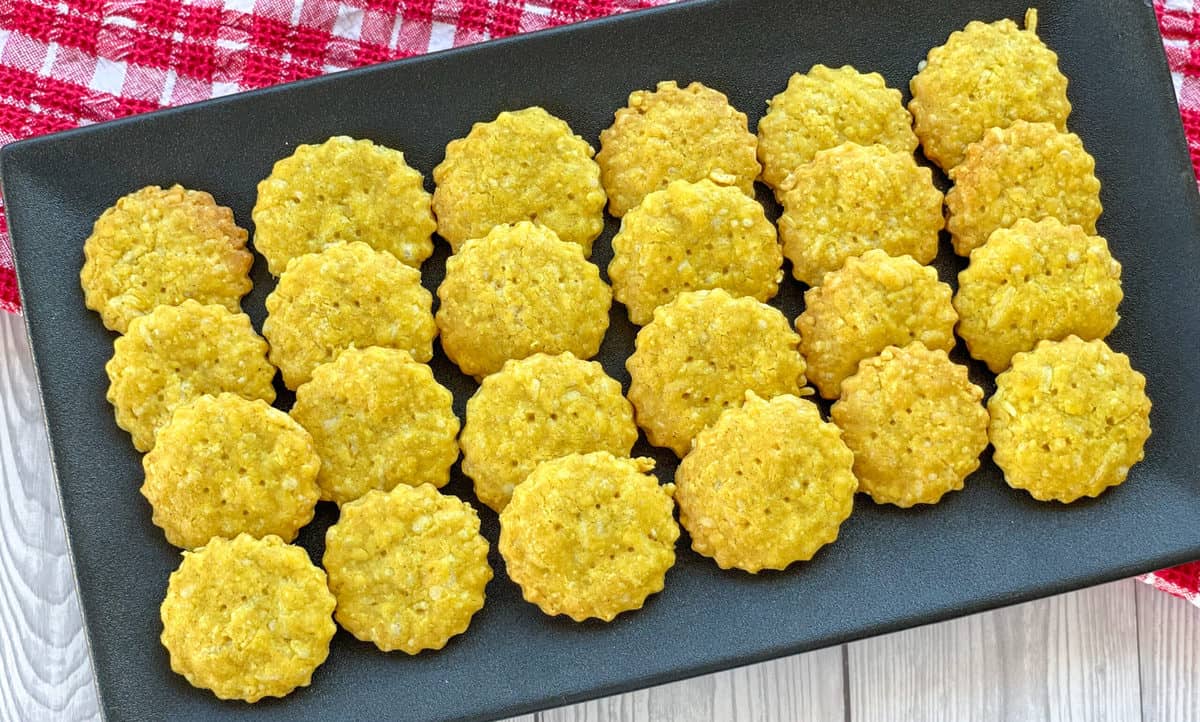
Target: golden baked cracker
(1068,419)
(915,423)
(825,108)
(589,535)
(673,133)
(224,465)
(987,75)
(1027,170)
(408,568)
(540,408)
(342,190)
(1036,281)
(525,165)
(160,247)
(516,292)
(853,198)
(348,295)
(174,354)
(767,485)
(872,302)
(247,618)
(700,355)
(378,420)
(691,237)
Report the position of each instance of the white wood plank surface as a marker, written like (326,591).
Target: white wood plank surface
(1118,652)
(1072,657)
(1169,642)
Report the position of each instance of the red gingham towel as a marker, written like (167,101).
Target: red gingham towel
(70,62)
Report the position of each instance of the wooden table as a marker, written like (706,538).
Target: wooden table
(1118,652)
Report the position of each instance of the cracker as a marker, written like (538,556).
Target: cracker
(408,568)
(176,353)
(1032,282)
(378,419)
(987,75)
(673,133)
(224,465)
(853,198)
(516,292)
(825,108)
(872,302)
(342,190)
(348,295)
(525,165)
(767,485)
(692,237)
(589,536)
(915,423)
(1068,419)
(247,618)
(160,247)
(1027,170)
(536,409)
(700,355)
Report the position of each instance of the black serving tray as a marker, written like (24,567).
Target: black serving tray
(981,548)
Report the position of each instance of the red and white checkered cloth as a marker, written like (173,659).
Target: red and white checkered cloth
(65,63)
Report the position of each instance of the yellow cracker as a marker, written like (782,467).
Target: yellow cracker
(1027,170)
(342,190)
(378,419)
(176,353)
(160,247)
(516,292)
(872,302)
(247,618)
(540,408)
(1068,419)
(691,237)
(524,166)
(853,198)
(915,423)
(224,465)
(987,75)
(825,108)
(1032,282)
(348,295)
(408,568)
(674,133)
(589,536)
(767,485)
(700,355)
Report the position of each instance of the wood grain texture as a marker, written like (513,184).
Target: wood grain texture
(45,672)
(1067,658)
(1169,644)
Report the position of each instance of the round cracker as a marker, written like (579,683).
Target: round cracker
(1068,419)
(915,423)
(767,485)
(348,295)
(536,409)
(525,165)
(342,190)
(247,618)
(378,419)
(673,133)
(589,536)
(700,355)
(408,568)
(160,247)
(872,302)
(692,237)
(224,465)
(177,353)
